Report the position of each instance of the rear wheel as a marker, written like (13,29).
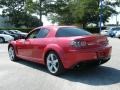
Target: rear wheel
(2,40)
(12,54)
(54,64)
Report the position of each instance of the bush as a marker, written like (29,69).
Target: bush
(94,29)
(20,29)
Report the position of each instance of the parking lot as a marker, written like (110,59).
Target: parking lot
(25,75)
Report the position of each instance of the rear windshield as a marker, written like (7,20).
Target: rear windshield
(71,31)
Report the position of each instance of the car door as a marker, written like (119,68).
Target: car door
(25,47)
(39,44)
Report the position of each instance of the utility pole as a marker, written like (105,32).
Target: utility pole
(40,11)
(117,22)
(101,14)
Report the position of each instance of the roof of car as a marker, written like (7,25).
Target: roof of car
(54,26)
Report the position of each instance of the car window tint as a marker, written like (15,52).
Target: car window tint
(43,32)
(70,32)
(33,34)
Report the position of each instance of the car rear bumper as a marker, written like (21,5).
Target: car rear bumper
(74,57)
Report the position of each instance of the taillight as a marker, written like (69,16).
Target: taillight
(103,41)
(77,43)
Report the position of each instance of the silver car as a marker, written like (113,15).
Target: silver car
(117,35)
(5,38)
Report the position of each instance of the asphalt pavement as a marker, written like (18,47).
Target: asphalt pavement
(24,75)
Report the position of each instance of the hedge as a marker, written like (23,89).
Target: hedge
(92,30)
(20,29)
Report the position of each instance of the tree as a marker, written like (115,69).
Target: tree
(37,7)
(86,11)
(9,6)
(18,13)
(80,11)
(109,9)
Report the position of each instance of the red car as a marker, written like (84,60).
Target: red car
(61,47)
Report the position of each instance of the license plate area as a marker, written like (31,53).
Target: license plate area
(100,55)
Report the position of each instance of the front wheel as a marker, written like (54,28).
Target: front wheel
(12,54)
(54,64)
(2,40)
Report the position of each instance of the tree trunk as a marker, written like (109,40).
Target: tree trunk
(40,12)
(84,24)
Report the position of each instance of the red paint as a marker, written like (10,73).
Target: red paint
(36,49)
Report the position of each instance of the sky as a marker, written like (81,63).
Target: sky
(112,19)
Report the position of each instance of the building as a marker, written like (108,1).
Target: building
(3,23)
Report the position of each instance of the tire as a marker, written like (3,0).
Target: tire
(12,55)
(54,64)
(104,61)
(100,63)
(2,40)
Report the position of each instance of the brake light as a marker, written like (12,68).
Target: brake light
(104,41)
(77,43)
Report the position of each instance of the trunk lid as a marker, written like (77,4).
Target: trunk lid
(93,41)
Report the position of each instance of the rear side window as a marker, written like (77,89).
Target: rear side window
(71,31)
(42,33)
(33,34)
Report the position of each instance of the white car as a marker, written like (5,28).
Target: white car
(117,35)
(104,32)
(5,38)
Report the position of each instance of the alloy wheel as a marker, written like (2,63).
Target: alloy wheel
(52,63)
(1,40)
(11,53)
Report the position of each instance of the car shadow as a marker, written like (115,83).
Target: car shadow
(33,65)
(99,76)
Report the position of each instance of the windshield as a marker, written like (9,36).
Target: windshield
(18,31)
(11,32)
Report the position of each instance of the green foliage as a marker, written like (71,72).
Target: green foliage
(17,10)
(20,29)
(86,11)
(92,30)
(80,11)
(37,7)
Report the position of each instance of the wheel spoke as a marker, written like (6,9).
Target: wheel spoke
(52,57)
(51,68)
(49,61)
(55,68)
(55,61)
(1,40)
(49,58)
(11,53)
